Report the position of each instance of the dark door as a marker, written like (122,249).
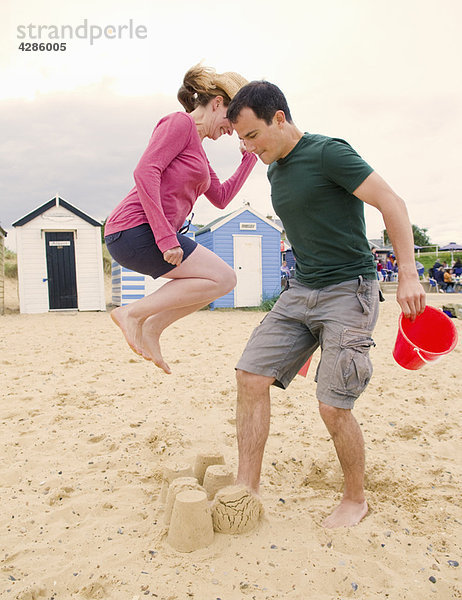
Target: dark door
(62,283)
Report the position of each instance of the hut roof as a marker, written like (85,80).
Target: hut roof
(225,219)
(57,201)
(379,245)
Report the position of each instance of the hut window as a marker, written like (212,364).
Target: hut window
(251,226)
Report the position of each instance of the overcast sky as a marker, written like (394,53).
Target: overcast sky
(385,76)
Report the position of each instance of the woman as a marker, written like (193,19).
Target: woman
(142,232)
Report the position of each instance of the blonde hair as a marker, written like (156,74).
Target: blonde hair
(201,84)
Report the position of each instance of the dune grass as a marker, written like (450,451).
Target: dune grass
(11,264)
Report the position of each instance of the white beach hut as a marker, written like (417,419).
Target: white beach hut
(60,260)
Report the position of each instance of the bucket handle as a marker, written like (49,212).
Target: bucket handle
(424,359)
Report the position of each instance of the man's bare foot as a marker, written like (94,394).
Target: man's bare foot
(151,343)
(347,514)
(131,328)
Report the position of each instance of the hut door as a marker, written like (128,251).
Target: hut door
(62,282)
(248,267)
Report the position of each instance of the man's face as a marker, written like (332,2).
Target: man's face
(264,140)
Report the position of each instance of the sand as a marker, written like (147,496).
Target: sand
(87,427)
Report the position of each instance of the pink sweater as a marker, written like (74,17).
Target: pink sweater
(172,173)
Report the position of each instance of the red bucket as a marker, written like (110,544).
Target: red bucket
(428,338)
(304,370)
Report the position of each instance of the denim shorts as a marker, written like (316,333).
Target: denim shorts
(339,318)
(136,249)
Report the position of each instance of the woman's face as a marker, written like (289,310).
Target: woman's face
(219,124)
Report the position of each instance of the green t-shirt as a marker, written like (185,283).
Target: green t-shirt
(312,193)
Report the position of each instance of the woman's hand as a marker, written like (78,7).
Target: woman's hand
(174,256)
(242,147)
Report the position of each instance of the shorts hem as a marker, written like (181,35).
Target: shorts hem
(263,372)
(136,249)
(345,402)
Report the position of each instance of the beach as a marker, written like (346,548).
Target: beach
(87,427)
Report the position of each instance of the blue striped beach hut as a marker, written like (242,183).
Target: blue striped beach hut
(128,285)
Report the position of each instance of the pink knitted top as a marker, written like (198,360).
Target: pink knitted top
(172,173)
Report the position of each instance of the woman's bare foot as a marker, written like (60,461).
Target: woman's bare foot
(131,328)
(151,342)
(347,514)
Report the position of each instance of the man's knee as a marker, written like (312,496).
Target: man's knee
(332,416)
(251,382)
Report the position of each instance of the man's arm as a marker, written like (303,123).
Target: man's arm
(376,192)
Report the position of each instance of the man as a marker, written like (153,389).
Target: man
(318,187)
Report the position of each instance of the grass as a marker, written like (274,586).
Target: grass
(428,258)
(265,305)
(11,264)
(107,261)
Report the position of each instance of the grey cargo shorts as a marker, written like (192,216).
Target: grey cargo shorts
(339,318)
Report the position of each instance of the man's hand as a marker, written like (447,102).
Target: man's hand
(411,297)
(174,256)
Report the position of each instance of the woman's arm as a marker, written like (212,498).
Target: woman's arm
(221,194)
(169,138)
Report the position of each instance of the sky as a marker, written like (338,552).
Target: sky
(385,76)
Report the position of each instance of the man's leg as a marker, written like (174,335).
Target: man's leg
(349,445)
(252,421)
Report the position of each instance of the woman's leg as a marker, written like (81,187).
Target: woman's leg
(200,279)
(154,325)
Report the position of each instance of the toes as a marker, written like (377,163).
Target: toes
(161,364)
(164,366)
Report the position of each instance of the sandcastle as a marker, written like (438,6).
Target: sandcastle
(197,505)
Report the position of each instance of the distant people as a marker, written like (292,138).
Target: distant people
(457,267)
(438,275)
(432,271)
(285,271)
(391,267)
(448,285)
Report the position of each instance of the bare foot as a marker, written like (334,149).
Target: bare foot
(347,514)
(151,343)
(131,328)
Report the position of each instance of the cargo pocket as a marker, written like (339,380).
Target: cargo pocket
(112,237)
(363,293)
(353,368)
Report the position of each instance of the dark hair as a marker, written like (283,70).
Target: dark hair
(263,97)
(199,88)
